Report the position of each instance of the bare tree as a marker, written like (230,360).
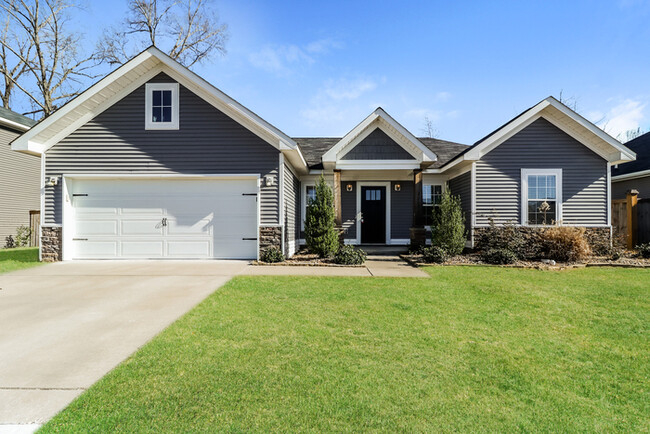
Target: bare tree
(188,30)
(429,130)
(630,135)
(11,67)
(53,63)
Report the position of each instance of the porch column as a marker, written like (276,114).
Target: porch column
(418,218)
(337,198)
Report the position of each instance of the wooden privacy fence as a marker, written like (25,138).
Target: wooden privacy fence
(34,225)
(631,219)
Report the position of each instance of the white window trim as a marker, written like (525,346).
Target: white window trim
(303,202)
(444,188)
(148,123)
(524,192)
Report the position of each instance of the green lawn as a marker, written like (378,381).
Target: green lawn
(472,349)
(16,259)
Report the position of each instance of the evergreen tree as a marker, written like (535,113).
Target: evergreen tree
(320,233)
(448,228)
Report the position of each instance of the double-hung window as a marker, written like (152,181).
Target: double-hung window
(541,196)
(161,111)
(431,197)
(308,196)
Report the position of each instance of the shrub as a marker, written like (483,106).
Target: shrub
(348,255)
(565,243)
(272,255)
(23,234)
(510,237)
(434,255)
(9,242)
(499,256)
(644,250)
(448,228)
(321,236)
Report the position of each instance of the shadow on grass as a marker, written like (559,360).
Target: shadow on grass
(27,254)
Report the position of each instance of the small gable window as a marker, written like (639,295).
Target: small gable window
(161,106)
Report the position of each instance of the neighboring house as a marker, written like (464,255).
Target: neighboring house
(154,162)
(634,175)
(20,187)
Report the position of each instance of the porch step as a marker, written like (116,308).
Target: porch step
(372,250)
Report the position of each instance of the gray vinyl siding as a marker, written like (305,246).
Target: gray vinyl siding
(401,210)
(291,192)
(20,186)
(541,145)
(461,186)
(642,185)
(377,146)
(207,142)
(349,209)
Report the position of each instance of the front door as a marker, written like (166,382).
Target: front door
(373,215)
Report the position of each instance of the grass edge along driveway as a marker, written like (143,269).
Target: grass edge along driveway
(473,348)
(18,258)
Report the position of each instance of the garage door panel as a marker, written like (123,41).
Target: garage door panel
(141,227)
(204,218)
(96,227)
(96,249)
(143,249)
(188,249)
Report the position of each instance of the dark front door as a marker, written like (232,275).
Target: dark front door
(373,215)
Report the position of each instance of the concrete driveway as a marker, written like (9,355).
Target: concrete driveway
(63,326)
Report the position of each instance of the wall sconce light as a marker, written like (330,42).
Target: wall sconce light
(268,181)
(52,181)
(398,187)
(348,187)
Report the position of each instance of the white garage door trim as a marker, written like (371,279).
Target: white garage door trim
(68,180)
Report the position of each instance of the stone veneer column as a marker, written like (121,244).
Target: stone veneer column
(270,236)
(51,244)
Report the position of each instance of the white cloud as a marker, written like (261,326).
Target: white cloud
(347,89)
(625,116)
(443,96)
(284,59)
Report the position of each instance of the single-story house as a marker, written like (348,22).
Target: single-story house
(20,189)
(154,162)
(636,174)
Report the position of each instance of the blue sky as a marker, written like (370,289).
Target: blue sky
(318,68)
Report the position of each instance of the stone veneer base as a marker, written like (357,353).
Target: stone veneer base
(270,236)
(599,238)
(51,244)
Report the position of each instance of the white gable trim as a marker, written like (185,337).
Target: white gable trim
(378,119)
(143,67)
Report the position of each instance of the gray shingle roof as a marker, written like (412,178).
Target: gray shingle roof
(640,145)
(16,117)
(313,149)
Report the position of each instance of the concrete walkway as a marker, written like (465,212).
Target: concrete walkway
(375,266)
(64,326)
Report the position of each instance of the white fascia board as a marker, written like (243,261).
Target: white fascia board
(628,154)
(24,142)
(282,140)
(331,155)
(297,160)
(633,175)
(377,165)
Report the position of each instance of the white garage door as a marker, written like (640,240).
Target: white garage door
(141,219)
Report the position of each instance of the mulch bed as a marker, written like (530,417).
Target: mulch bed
(628,260)
(302,258)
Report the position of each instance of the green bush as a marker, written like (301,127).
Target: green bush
(9,242)
(272,255)
(448,228)
(348,255)
(321,236)
(23,234)
(499,256)
(644,250)
(434,255)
